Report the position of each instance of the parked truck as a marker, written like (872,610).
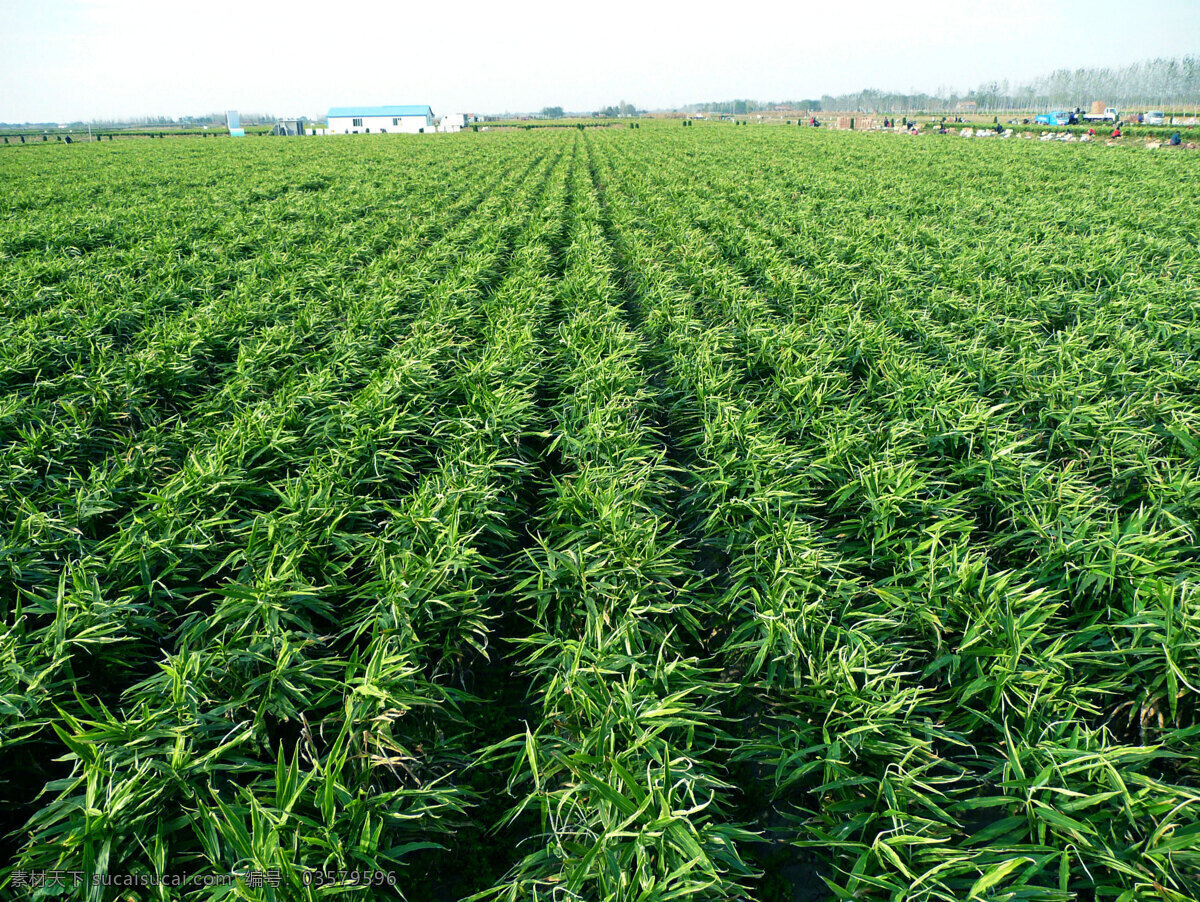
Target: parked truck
(1110,114)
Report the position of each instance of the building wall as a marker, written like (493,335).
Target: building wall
(407,124)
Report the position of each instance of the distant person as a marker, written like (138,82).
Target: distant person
(1141,118)
(1176,139)
(1116,132)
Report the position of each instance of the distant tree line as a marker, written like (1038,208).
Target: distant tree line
(1152,84)
(1158,82)
(210,119)
(744,107)
(621,109)
(609,112)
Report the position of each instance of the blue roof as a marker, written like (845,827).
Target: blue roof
(380,111)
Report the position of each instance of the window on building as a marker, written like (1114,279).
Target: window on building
(357,122)
(395,121)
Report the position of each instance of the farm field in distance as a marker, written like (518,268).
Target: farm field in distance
(655,514)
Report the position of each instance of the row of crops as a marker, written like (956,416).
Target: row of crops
(631,515)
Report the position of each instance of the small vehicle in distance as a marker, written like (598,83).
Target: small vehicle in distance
(1110,114)
(1056,118)
(1155,117)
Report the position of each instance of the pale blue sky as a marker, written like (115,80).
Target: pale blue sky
(81,59)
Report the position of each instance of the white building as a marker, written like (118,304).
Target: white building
(351,120)
(452,122)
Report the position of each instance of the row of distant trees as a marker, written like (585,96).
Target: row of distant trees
(193,121)
(1151,84)
(621,109)
(744,107)
(210,119)
(611,112)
